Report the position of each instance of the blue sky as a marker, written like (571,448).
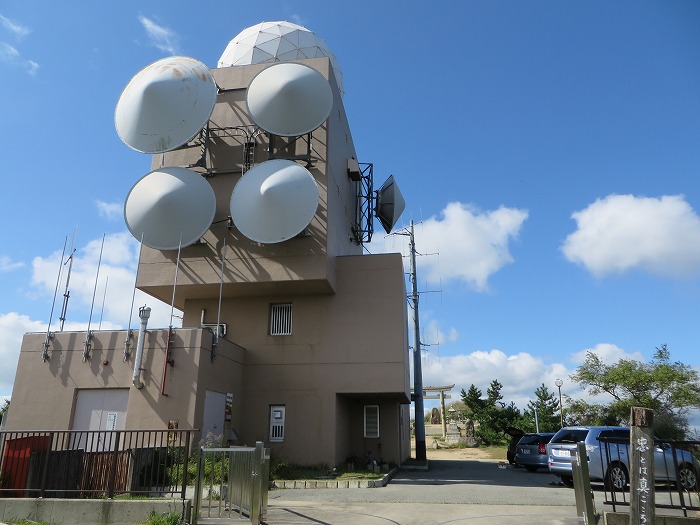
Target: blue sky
(547,151)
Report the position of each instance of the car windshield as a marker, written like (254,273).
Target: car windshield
(570,435)
(529,439)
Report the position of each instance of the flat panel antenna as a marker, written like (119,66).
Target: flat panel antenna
(170,208)
(274,201)
(165,105)
(289,99)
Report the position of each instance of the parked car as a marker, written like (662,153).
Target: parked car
(613,467)
(531,451)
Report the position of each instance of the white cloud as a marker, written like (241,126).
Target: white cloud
(160,36)
(463,244)
(608,353)
(8,53)
(432,334)
(115,285)
(520,374)
(7,265)
(13,326)
(623,232)
(18,30)
(110,210)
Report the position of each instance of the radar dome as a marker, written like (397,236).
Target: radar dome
(277,42)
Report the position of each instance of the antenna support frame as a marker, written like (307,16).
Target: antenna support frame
(363,228)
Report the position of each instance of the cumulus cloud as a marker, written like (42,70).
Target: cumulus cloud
(17,29)
(624,232)
(462,243)
(7,264)
(115,284)
(13,326)
(432,334)
(520,374)
(608,353)
(160,36)
(110,210)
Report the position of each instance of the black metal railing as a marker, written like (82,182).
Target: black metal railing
(676,470)
(95,464)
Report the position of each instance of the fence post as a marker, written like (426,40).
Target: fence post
(256,492)
(642,508)
(585,508)
(186,463)
(46,467)
(113,472)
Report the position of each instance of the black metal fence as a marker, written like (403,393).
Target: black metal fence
(95,464)
(676,471)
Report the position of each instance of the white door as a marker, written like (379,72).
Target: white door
(99,409)
(214,415)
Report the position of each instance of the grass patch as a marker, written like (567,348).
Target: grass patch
(163,519)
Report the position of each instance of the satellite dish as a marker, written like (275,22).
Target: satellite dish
(165,105)
(289,99)
(169,208)
(274,201)
(390,204)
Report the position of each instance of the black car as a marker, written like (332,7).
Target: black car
(515,435)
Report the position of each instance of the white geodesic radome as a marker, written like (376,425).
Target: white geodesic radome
(277,42)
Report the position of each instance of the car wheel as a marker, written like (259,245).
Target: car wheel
(617,478)
(687,477)
(568,481)
(531,468)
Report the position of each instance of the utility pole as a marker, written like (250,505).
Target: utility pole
(417,365)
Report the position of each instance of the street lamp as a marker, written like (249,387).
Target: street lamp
(559,382)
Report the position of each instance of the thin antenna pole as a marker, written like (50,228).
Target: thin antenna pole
(417,365)
(177,269)
(221,291)
(45,355)
(88,336)
(168,360)
(129,331)
(102,310)
(66,294)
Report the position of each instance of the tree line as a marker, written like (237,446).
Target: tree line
(670,388)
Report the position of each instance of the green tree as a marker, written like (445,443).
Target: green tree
(547,405)
(3,410)
(492,414)
(669,388)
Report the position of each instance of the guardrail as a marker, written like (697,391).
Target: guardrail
(94,464)
(676,484)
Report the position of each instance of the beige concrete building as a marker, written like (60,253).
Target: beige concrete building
(315,357)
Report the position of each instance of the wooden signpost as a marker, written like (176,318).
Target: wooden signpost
(642,466)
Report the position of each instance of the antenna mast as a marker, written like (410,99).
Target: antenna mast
(417,364)
(45,355)
(66,294)
(88,335)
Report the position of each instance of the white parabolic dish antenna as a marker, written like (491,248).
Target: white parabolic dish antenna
(390,204)
(274,201)
(169,208)
(165,105)
(289,99)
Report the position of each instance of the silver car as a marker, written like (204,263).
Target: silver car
(612,467)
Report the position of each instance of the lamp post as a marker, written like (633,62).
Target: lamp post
(559,382)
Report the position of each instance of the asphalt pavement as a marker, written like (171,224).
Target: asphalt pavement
(451,492)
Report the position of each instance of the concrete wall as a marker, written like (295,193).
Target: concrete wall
(44,394)
(88,511)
